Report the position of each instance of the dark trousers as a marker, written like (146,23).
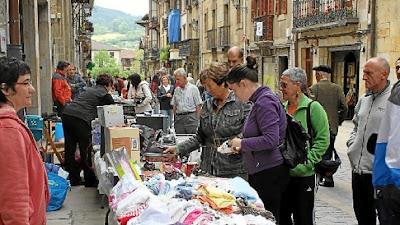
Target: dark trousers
(270,184)
(77,131)
(298,200)
(186,124)
(328,155)
(391,200)
(363,199)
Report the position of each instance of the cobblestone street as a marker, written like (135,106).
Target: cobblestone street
(334,205)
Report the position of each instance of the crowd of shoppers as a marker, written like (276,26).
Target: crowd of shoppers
(250,118)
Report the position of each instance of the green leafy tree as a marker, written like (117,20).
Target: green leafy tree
(104,63)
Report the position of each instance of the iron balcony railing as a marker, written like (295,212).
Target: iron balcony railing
(212,39)
(224,36)
(152,53)
(189,47)
(313,12)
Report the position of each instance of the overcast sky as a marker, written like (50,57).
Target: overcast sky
(133,7)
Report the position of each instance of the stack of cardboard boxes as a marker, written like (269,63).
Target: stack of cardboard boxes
(116,135)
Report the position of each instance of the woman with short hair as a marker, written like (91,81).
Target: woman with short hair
(222,117)
(298,200)
(24,192)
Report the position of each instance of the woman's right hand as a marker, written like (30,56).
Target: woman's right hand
(171,150)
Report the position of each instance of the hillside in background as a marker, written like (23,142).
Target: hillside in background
(116,28)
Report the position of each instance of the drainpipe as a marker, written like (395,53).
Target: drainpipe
(373,28)
(296,48)
(14,49)
(244,31)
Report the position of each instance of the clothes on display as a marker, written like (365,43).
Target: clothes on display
(187,200)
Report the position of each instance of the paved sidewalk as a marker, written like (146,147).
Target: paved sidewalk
(334,205)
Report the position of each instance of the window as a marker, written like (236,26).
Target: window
(281,7)
(112,54)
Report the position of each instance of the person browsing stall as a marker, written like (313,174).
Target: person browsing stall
(298,200)
(76,118)
(24,192)
(263,133)
(222,117)
(139,91)
(164,95)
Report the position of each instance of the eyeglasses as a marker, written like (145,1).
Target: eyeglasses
(283,85)
(25,83)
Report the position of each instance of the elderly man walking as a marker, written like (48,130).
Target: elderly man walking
(186,104)
(331,97)
(369,112)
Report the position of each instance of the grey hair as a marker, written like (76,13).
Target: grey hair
(181,72)
(297,74)
(325,74)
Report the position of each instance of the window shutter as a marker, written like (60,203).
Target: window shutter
(269,23)
(284,7)
(278,7)
(270,7)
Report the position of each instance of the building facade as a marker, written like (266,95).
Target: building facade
(42,32)
(343,34)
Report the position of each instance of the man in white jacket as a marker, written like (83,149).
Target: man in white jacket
(369,111)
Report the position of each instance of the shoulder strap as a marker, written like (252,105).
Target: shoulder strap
(309,123)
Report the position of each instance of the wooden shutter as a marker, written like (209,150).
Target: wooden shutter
(269,23)
(270,7)
(278,7)
(284,7)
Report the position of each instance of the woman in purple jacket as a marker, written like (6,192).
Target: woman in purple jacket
(263,131)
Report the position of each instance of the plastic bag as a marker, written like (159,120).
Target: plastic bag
(59,188)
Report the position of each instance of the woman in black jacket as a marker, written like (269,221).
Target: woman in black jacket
(164,95)
(76,118)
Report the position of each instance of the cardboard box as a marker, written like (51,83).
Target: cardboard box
(128,137)
(110,115)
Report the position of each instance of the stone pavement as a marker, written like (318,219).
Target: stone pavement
(333,205)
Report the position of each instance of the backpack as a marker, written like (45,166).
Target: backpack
(295,146)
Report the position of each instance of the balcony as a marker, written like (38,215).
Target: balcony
(267,28)
(189,47)
(151,54)
(323,13)
(224,37)
(212,39)
(153,23)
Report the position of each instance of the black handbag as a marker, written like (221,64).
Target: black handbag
(329,165)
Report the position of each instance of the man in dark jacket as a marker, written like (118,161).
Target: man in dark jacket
(332,98)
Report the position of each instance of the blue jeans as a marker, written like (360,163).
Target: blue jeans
(170,116)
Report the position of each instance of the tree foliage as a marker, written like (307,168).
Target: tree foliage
(104,63)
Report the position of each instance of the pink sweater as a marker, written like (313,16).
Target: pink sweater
(24,191)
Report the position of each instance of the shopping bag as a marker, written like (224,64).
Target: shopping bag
(59,188)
